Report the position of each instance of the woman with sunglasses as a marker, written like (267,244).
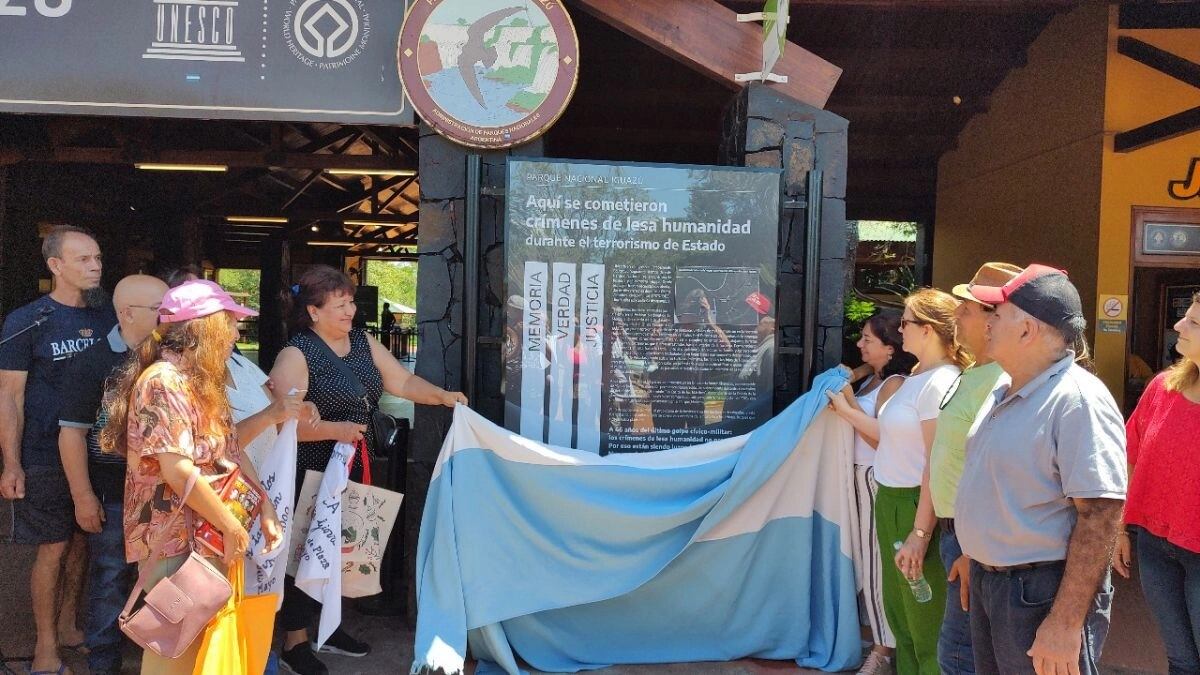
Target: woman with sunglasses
(885,364)
(903,508)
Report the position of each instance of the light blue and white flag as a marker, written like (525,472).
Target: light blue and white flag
(734,548)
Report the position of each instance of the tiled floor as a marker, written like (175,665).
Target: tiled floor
(1133,646)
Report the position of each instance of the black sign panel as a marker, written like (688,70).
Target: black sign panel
(300,60)
(1171,239)
(641,303)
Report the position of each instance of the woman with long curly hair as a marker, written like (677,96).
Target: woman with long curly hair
(169,416)
(904,515)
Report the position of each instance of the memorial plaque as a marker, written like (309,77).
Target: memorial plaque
(641,303)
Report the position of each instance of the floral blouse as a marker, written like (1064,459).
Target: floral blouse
(162,419)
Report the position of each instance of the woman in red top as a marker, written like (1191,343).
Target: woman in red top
(1162,510)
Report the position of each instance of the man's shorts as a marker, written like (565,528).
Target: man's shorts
(46,515)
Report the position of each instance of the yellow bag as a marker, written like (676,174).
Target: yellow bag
(238,640)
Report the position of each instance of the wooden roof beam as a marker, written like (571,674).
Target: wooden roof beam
(991,6)
(303,218)
(706,37)
(231,159)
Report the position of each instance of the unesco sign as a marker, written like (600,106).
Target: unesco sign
(298,60)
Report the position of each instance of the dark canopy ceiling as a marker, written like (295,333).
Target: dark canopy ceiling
(914,72)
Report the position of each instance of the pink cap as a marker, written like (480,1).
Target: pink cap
(197,298)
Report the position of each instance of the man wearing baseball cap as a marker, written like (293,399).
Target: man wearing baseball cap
(1041,497)
(948,453)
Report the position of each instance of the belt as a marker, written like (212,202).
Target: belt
(1005,569)
(947,525)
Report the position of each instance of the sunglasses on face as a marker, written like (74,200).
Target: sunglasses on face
(905,323)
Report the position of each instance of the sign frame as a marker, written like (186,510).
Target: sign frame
(749,274)
(178,67)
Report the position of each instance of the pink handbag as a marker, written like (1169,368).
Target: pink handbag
(179,607)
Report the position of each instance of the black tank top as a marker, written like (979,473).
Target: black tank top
(333,395)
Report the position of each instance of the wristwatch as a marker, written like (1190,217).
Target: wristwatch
(920,533)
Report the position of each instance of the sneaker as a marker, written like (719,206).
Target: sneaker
(876,664)
(342,644)
(301,661)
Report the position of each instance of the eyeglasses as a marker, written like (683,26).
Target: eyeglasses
(153,307)
(905,323)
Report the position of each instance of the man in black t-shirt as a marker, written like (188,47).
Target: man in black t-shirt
(42,337)
(97,479)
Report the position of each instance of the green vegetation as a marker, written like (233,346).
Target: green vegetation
(242,284)
(526,100)
(397,281)
(857,311)
(525,74)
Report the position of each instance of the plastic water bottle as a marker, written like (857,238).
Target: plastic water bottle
(919,587)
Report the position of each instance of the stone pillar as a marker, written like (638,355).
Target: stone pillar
(766,129)
(273,285)
(440,246)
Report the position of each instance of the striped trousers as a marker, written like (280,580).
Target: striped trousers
(867,552)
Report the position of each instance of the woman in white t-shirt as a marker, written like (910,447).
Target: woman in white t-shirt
(903,507)
(885,364)
(250,398)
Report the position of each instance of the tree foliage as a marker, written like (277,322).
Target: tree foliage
(238,282)
(397,281)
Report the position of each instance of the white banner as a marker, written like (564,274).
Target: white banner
(533,350)
(591,355)
(319,569)
(563,324)
(278,476)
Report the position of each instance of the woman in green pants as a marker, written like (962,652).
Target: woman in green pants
(903,508)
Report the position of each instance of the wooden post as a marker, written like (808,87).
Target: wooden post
(274,284)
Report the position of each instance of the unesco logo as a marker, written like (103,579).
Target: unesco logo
(327,34)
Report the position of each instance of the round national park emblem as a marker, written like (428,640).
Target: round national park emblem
(489,73)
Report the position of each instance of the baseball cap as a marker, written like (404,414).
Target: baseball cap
(1045,293)
(198,298)
(989,274)
(760,302)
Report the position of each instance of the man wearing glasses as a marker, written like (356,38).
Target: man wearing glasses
(97,480)
(958,409)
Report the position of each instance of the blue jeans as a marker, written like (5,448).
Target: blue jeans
(110,581)
(1008,607)
(954,640)
(1171,584)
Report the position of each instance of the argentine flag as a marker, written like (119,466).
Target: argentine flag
(734,548)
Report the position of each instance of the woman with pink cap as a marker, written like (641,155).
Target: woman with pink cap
(169,414)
